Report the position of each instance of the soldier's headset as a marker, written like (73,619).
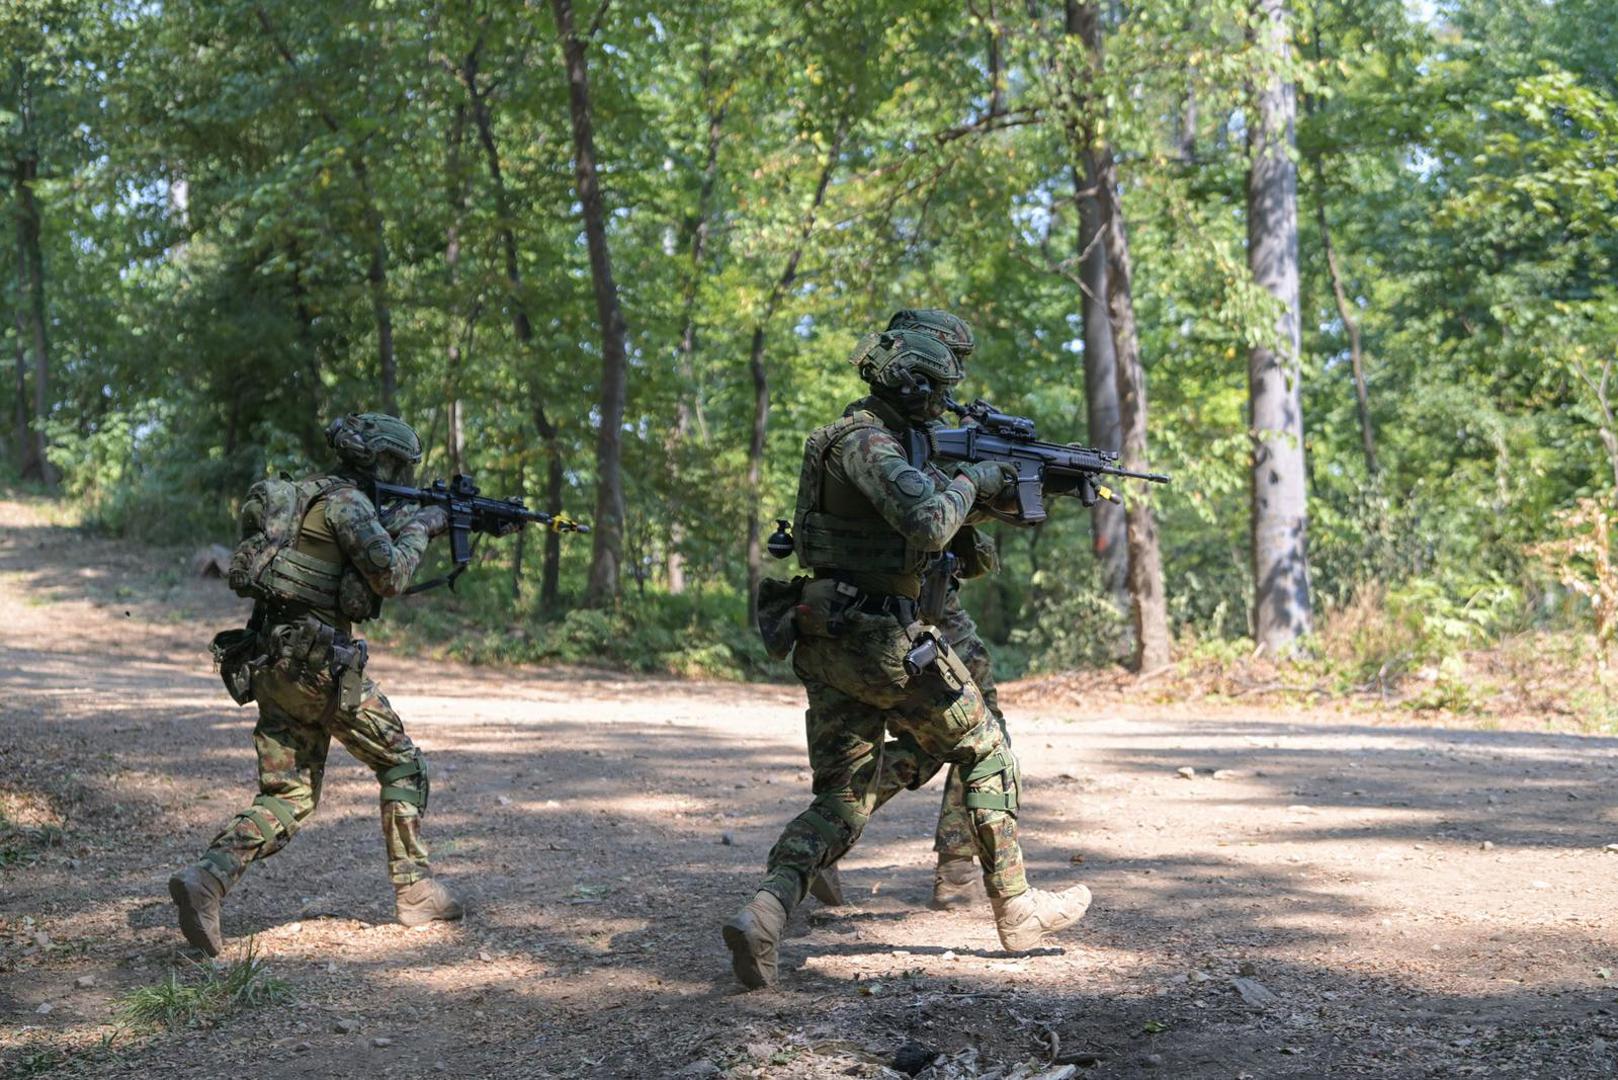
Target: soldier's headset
(346,436)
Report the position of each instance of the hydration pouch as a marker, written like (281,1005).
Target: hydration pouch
(777,610)
(236,655)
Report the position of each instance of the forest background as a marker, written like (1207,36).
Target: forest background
(1357,259)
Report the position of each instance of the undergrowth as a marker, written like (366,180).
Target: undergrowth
(204,995)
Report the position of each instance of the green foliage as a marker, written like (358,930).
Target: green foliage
(233,194)
(204,996)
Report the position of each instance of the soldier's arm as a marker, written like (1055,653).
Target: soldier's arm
(387,562)
(906,497)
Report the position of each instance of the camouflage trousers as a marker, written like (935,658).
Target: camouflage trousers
(293,735)
(859,694)
(954,838)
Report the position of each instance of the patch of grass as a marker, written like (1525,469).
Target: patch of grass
(204,996)
(22,845)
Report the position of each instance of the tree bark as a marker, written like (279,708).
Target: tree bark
(688,399)
(310,436)
(1148,605)
(32,258)
(1351,325)
(27,451)
(761,382)
(1109,537)
(454,430)
(376,271)
(522,328)
(1282,608)
(606,555)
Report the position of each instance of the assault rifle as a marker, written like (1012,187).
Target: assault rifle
(471,513)
(1043,468)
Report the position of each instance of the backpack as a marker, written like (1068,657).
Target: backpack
(271,516)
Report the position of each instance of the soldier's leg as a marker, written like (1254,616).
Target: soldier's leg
(375,735)
(291,764)
(955,726)
(849,754)
(291,761)
(954,837)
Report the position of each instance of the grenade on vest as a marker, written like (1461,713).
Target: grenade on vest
(780,543)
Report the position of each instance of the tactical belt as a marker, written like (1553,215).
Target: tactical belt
(902,608)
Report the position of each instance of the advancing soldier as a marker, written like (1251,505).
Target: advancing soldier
(317,557)
(873,517)
(957,883)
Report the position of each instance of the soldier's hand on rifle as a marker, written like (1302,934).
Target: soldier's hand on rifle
(435,518)
(990,477)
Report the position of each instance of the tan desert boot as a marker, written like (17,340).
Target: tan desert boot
(197,893)
(752,935)
(957,884)
(1025,919)
(424,900)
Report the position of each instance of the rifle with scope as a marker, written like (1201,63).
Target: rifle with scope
(471,513)
(1043,468)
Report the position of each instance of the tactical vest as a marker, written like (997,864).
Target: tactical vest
(288,553)
(835,527)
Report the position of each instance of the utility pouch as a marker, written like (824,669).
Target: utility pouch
(975,551)
(939,578)
(777,610)
(824,603)
(236,655)
(348,668)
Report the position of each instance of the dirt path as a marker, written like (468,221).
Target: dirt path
(1348,897)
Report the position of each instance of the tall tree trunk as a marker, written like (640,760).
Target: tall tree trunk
(455,185)
(310,433)
(761,382)
(1147,602)
(522,328)
(688,399)
(27,451)
(1282,610)
(32,256)
(1109,536)
(606,554)
(1351,325)
(376,271)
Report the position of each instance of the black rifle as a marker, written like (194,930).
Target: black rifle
(1043,468)
(471,513)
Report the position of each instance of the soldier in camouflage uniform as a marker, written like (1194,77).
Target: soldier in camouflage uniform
(306,671)
(872,516)
(956,882)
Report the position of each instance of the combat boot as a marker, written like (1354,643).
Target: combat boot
(752,936)
(424,900)
(827,887)
(957,883)
(197,893)
(1025,919)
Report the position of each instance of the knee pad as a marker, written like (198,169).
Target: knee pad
(1000,763)
(275,818)
(407,782)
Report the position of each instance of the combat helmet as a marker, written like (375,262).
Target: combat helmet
(949,329)
(911,368)
(375,444)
